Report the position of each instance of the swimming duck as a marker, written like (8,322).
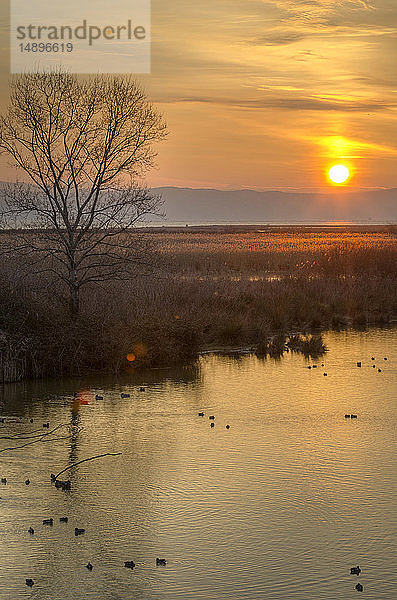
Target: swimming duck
(4,480)
(359,364)
(353,416)
(227,426)
(31,530)
(89,566)
(141,389)
(29,582)
(201,414)
(27,481)
(48,521)
(30,420)
(212,424)
(63,519)
(47,425)
(347,416)
(129,564)
(211,417)
(64,485)
(379,370)
(385,358)
(125,395)
(161,562)
(98,397)
(355,570)
(78,531)
(359,587)
(325,374)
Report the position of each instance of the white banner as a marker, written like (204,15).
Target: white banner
(80,36)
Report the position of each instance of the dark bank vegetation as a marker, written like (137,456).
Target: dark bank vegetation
(199,291)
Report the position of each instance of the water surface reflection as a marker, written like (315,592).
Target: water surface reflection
(279,506)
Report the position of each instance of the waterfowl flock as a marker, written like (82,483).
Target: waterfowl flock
(357,571)
(359,365)
(212,419)
(66,485)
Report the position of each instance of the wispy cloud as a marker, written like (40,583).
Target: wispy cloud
(291,102)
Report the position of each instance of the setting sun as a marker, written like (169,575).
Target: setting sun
(338,174)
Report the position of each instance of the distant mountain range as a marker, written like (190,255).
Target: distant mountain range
(211,206)
(196,206)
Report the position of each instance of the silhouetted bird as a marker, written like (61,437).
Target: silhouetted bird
(30,420)
(4,480)
(125,395)
(227,426)
(89,566)
(63,519)
(27,481)
(353,416)
(141,389)
(379,370)
(78,531)
(48,521)
(359,364)
(29,582)
(359,587)
(373,358)
(325,374)
(211,417)
(98,397)
(64,485)
(355,570)
(212,424)
(385,358)
(161,562)
(47,425)
(31,530)
(201,414)
(347,416)
(129,564)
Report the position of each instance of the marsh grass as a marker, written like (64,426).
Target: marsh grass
(203,290)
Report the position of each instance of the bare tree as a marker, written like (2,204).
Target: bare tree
(84,146)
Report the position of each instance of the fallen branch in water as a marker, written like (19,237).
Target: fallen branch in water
(32,434)
(41,439)
(55,477)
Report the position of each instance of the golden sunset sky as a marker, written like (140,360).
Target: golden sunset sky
(268,94)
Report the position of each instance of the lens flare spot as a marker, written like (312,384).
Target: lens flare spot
(140,349)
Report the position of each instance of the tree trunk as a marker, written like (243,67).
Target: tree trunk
(74,301)
(74,291)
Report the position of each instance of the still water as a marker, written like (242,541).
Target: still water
(277,507)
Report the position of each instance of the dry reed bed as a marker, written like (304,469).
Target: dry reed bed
(203,289)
